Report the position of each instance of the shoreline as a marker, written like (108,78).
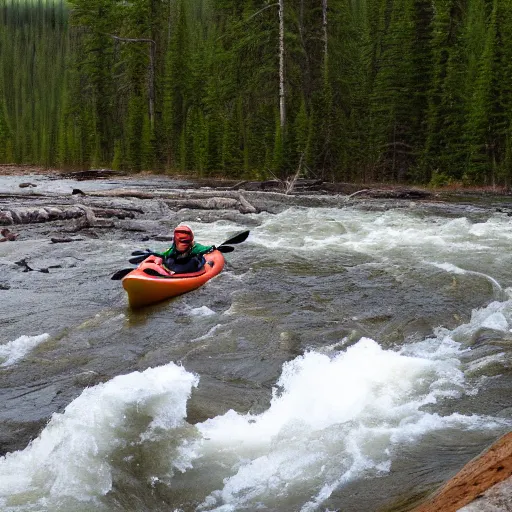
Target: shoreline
(448,191)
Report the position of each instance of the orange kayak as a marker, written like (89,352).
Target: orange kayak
(144,289)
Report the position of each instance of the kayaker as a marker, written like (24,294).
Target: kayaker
(185,255)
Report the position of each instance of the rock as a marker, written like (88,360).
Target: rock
(23,263)
(496,499)
(6,218)
(7,235)
(477,476)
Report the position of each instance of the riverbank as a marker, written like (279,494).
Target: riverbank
(455,192)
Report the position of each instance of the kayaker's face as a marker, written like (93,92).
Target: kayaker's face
(182,241)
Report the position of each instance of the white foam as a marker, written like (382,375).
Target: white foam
(332,419)
(339,417)
(201,311)
(393,233)
(15,350)
(454,269)
(72,455)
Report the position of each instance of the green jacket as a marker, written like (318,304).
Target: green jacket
(193,251)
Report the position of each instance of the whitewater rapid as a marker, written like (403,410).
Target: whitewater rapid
(334,416)
(338,413)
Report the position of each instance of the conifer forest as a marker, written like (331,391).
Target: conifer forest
(396,91)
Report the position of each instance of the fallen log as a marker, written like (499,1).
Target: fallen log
(32,215)
(214,203)
(483,472)
(29,215)
(91,174)
(111,212)
(55,240)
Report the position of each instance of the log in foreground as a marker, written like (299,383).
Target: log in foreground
(480,474)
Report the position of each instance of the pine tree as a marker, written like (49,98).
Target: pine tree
(480,135)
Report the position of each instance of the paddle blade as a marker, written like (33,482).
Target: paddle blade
(140,252)
(237,239)
(121,273)
(138,259)
(225,248)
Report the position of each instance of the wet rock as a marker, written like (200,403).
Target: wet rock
(6,218)
(87,379)
(23,263)
(7,235)
(497,499)
(14,435)
(474,479)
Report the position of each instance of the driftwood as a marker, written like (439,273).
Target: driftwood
(91,174)
(398,193)
(28,215)
(27,268)
(482,473)
(31,215)
(111,212)
(55,240)
(214,203)
(105,208)
(194,199)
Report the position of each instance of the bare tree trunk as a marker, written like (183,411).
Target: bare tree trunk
(282,105)
(151,84)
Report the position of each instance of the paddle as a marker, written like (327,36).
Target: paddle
(140,256)
(237,239)
(117,276)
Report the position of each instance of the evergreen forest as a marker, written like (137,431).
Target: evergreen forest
(395,91)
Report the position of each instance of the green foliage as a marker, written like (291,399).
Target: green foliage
(440,179)
(375,90)
(5,138)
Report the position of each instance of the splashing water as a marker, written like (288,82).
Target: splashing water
(332,419)
(335,417)
(15,350)
(71,456)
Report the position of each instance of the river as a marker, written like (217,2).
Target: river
(346,359)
